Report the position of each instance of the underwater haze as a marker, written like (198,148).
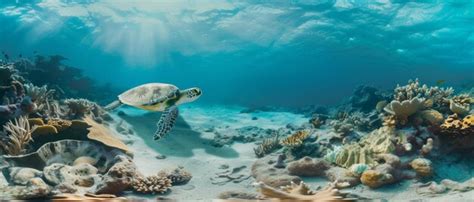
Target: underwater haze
(258,100)
(254,53)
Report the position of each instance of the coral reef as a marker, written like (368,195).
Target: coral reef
(413,90)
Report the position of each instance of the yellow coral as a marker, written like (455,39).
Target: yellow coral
(296,139)
(422,166)
(36,121)
(374,178)
(60,124)
(453,125)
(45,130)
(432,116)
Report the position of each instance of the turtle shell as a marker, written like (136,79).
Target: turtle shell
(146,93)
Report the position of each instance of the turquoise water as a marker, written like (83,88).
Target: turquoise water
(289,53)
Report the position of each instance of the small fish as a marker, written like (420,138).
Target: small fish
(440,82)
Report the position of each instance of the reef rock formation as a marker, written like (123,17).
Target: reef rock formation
(118,178)
(308,167)
(66,152)
(263,170)
(422,166)
(382,174)
(177,176)
(299,192)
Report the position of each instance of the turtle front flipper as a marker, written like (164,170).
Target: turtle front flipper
(166,122)
(114,105)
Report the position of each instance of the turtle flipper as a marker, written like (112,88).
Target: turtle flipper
(114,105)
(166,122)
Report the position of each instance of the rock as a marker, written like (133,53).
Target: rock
(340,175)
(379,176)
(118,178)
(263,171)
(237,195)
(38,187)
(84,160)
(356,170)
(423,167)
(308,167)
(80,175)
(21,176)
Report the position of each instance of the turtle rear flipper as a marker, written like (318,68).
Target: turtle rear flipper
(166,122)
(114,105)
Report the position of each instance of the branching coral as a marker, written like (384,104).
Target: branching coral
(151,184)
(39,95)
(460,104)
(267,146)
(79,107)
(19,135)
(177,176)
(413,90)
(296,139)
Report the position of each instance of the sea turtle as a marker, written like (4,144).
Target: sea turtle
(159,97)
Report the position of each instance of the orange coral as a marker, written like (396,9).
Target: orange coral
(296,139)
(453,125)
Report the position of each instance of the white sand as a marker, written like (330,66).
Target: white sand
(188,146)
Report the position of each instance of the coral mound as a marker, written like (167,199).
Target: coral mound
(455,126)
(151,184)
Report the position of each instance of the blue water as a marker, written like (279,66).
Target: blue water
(288,53)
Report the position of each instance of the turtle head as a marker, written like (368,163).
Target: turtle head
(189,95)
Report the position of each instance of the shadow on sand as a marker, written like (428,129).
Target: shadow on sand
(181,141)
